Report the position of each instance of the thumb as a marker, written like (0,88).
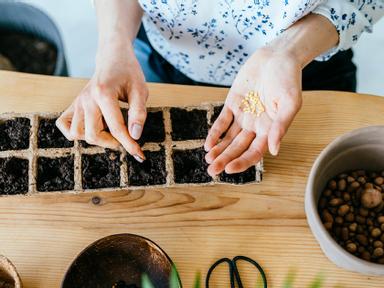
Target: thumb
(137,112)
(286,112)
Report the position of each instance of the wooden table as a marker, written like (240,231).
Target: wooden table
(42,234)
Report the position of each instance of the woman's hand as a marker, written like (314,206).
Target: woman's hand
(118,76)
(274,72)
(276,77)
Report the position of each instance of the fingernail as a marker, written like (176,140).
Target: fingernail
(277,149)
(136,131)
(138,158)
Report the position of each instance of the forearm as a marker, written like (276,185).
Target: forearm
(118,23)
(306,39)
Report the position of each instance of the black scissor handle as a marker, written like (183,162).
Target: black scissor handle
(254,263)
(234,272)
(217,263)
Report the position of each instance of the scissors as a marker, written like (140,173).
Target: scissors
(234,272)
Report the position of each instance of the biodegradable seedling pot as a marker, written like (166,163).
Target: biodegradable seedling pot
(359,149)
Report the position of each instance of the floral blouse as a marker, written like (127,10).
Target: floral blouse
(209,40)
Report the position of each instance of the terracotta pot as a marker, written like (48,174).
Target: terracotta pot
(359,149)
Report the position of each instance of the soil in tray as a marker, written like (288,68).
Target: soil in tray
(101,170)
(49,136)
(153,128)
(13,176)
(190,166)
(55,174)
(188,125)
(248,175)
(151,172)
(14,134)
(27,53)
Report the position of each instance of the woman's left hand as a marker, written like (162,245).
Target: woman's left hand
(276,77)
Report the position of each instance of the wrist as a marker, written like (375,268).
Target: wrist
(279,53)
(306,39)
(114,47)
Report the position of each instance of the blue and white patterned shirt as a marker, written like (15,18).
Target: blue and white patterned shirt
(209,40)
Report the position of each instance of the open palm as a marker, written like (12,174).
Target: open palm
(277,79)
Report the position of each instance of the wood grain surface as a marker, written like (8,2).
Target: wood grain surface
(42,234)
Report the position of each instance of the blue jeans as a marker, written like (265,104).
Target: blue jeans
(143,51)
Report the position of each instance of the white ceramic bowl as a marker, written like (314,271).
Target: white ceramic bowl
(359,149)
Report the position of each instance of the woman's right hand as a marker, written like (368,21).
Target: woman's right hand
(118,76)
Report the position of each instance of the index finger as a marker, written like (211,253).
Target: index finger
(114,118)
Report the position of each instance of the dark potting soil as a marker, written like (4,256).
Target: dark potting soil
(246,176)
(55,174)
(153,128)
(151,172)
(84,144)
(188,125)
(123,284)
(14,134)
(28,53)
(101,170)
(13,176)
(190,166)
(49,136)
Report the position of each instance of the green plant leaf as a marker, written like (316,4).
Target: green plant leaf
(197,283)
(290,279)
(174,279)
(318,282)
(259,283)
(146,282)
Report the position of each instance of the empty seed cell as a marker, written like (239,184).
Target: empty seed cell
(188,125)
(101,170)
(49,136)
(153,128)
(14,134)
(55,174)
(190,166)
(13,176)
(151,172)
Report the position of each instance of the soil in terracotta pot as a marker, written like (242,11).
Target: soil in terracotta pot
(352,210)
(27,53)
